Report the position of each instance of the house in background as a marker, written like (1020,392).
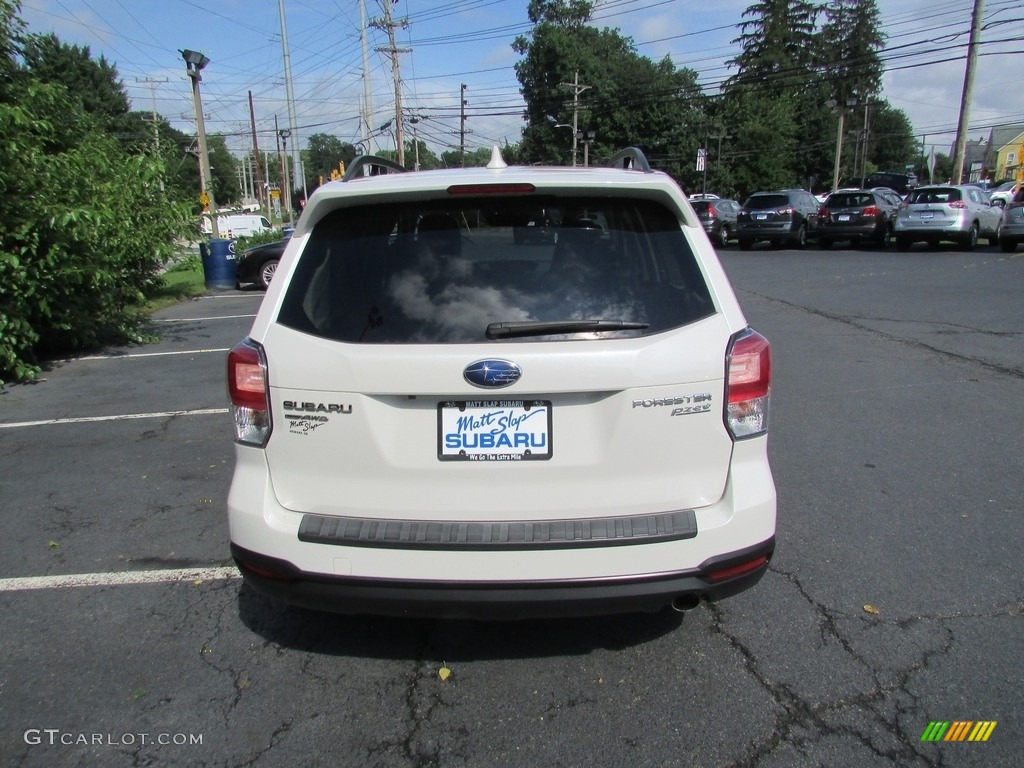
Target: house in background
(1004,152)
(974,160)
(1010,159)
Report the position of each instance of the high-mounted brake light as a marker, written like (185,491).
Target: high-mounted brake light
(491,189)
(748,383)
(249,393)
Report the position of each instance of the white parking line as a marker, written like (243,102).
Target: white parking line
(118,417)
(116,579)
(150,354)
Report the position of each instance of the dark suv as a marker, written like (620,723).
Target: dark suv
(865,215)
(786,216)
(901,182)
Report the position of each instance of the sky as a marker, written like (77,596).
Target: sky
(448,44)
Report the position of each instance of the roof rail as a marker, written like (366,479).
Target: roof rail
(630,157)
(371,165)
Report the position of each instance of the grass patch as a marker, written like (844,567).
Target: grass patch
(183,281)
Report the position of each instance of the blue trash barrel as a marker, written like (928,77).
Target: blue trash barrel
(219,264)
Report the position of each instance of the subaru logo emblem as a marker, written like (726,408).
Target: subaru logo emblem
(492,373)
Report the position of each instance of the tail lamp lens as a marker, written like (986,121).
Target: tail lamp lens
(748,384)
(249,393)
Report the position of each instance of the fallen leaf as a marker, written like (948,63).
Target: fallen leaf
(444,673)
(138,693)
(871,609)
(53,544)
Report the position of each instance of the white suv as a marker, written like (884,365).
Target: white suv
(433,420)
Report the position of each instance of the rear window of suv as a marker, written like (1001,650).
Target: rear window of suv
(933,196)
(849,200)
(763,202)
(430,271)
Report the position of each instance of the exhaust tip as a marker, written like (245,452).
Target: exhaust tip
(684,603)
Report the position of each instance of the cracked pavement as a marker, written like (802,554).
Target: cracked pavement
(898,386)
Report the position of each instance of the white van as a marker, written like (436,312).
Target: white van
(237,225)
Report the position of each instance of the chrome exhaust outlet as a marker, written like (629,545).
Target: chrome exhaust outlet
(684,603)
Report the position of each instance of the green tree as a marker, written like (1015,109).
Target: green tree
(427,159)
(223,170)
(93,83)
(323,154)
(85,225)
(849,42)
(893,146)
(627,99)
(777,41)
(760,154)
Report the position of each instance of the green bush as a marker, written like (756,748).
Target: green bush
(84,230)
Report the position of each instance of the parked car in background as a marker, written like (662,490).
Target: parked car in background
(788,216)
(259,263)
(957,213)
(432,421)
(1011,233)
(901,182)
(861,216)
(718,217)
(1003,192)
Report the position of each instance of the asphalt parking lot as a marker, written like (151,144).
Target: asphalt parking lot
(895,599)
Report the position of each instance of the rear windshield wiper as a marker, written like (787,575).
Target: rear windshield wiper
(549,327)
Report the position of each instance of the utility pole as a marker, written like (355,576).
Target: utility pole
(392,51)
(577,89)
(152,92)
(292,125)
(156,122)
(968,93)
(286,197)
(367,105)
(462,126)
(260,190)
(414,120)
(867,133)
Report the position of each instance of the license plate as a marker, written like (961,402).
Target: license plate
(761,216)
(844,217)
(494,430)
(927,214)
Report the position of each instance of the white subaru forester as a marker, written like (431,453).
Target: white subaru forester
(501,392)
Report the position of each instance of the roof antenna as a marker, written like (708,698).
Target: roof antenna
(496,160)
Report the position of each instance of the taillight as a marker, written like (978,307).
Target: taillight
(823,212)
(748,381)
(249,393)
(871,210)
(786,211)
(958,204)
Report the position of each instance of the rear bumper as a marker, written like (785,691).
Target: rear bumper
(871,230)
(718,578)
(776,231)
(488,574)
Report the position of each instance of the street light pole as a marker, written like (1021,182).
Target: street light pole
(194,63)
